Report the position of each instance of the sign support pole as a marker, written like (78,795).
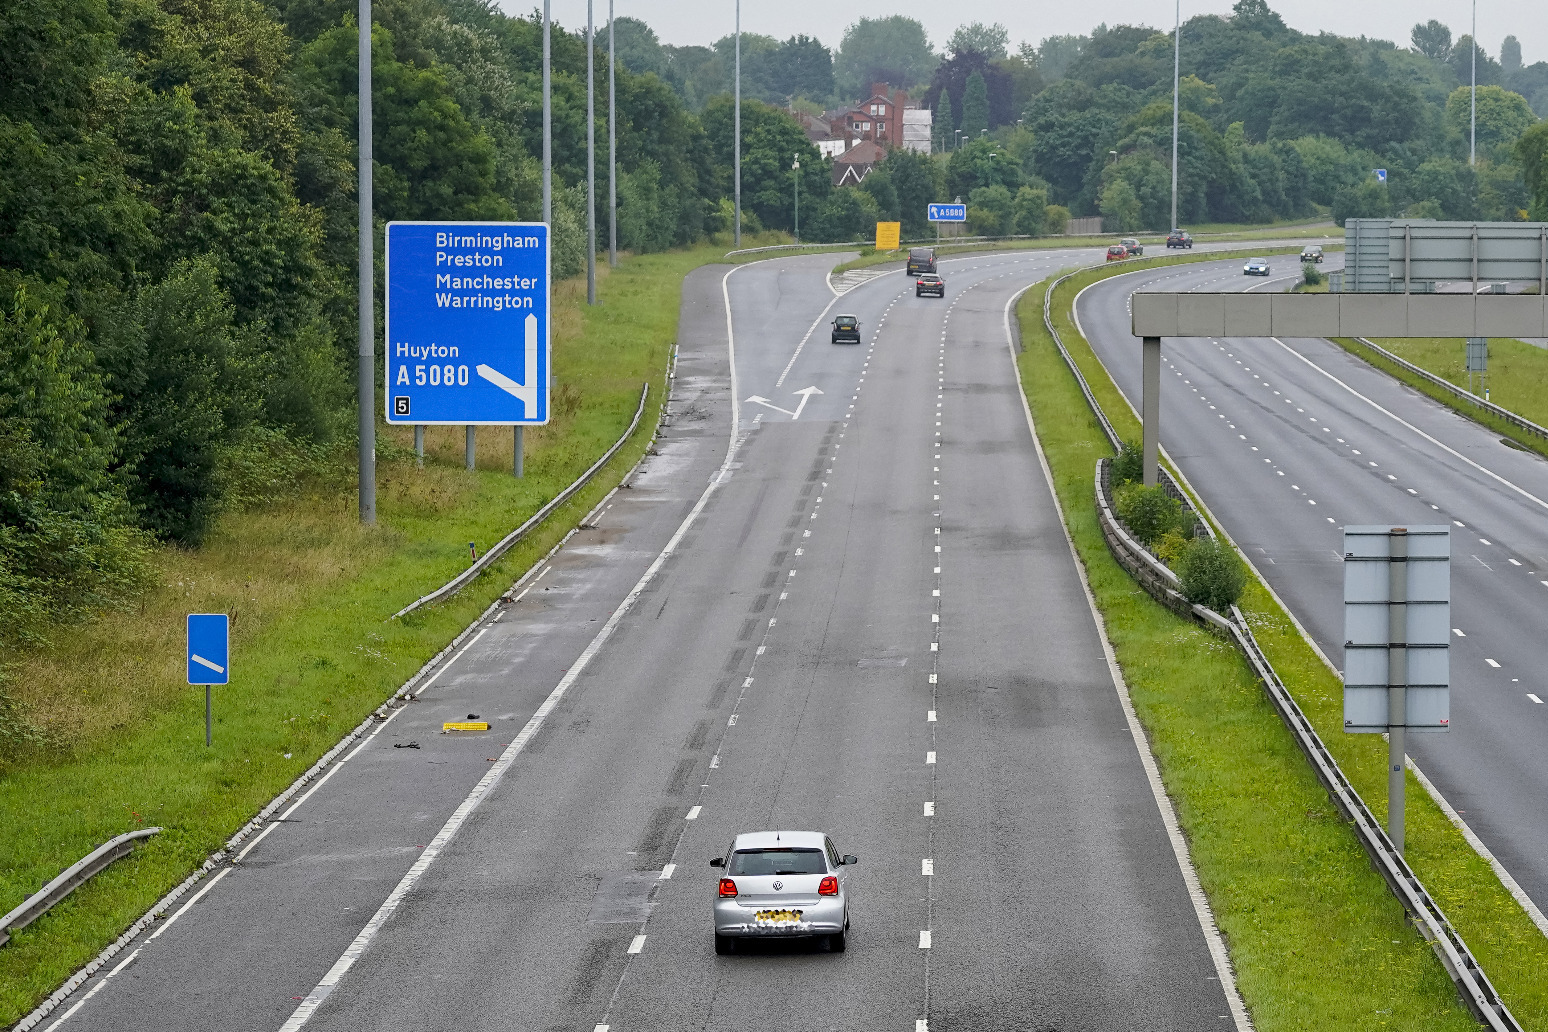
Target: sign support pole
(470,445)
(518,456)
(1150,409)
(419,445)
(1397,681)
(367,296)
(208,736)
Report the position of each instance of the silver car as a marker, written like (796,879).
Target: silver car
(782,884)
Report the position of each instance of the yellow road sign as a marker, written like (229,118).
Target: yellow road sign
(888,234)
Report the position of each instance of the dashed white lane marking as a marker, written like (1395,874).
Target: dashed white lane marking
(1491,662)
(921,1025)
(926,867)
(924,939)
(638,944)
(1458,632)
(693,813)
(930,756)
(929,808)
(1534,698)
(666,872)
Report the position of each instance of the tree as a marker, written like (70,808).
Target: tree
(1510,55)
(952,75)
(849,214)
(771,139)
(802,67)
(1461,61)
(992,41)
(991,211)
(1120,207)
(1031,209)
(917,180)
(893,50)
(943,126)
(1367,200)
(1532,151)
(975,106)
(1432,39)
(1257,16)
(1502,115)
(1056,53)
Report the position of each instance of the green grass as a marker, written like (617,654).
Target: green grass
(310,591)
(1317,940)
(1518,378)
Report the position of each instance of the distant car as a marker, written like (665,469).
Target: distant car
(920,259)
(782,885)
(1117,253)
(1312,253)
(1256,267)
(846,329)
(1177,238)
(929,283)
(1134,247)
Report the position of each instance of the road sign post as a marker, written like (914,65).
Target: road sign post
(209,648)
(1397,626)
(468,324)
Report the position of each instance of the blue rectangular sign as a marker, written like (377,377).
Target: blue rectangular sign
(947,212)
(209,648)
(467,323)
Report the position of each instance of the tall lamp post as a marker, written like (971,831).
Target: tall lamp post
(736,129)
(1176,87)
(1472,147)
(367,295)
(612,144)
(796,168)
(591,158)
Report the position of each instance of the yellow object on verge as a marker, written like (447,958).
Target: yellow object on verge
(888,235)
(465,725)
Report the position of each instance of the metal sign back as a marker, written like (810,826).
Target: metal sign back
(467,323)
(1423,628)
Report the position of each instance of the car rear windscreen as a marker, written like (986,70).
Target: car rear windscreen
(777,861)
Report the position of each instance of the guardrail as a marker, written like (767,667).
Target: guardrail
(72,878)
(1467,975)
(1488,406)
(503,545)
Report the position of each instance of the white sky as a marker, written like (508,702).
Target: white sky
(684,22)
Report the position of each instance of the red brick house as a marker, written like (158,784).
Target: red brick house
(879,118)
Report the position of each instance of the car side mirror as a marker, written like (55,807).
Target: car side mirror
(719,861)
(850,859)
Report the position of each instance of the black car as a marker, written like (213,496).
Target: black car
(920,259)
(1177,238)
(846,329)
(929,283)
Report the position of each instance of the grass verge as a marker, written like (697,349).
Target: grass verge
(120,736)
(1518,378)
(1317,940)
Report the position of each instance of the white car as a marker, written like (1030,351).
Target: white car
(782,885)
(1256,267)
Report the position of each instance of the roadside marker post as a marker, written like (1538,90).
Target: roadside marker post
(209,651)
(1397,633)
(467,326)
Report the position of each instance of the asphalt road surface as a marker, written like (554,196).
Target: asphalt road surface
(1290,440)
(865,620)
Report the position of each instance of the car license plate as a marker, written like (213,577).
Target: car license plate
(778,916)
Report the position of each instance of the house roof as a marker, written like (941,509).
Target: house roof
(863,153)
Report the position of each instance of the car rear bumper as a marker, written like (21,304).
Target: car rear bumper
(740,920)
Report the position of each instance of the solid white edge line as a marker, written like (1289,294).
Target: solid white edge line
(169,922)
(1511,885)
(487,783)
(1201,907)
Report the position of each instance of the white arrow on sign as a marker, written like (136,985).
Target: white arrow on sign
(806,395)
(525,392)
(206,663)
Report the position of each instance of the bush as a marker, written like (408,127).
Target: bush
(1148,512)
(1056,220)
(1129,466)
(1212,575)
(1311,275)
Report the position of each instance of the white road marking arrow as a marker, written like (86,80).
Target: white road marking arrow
(206,663)
(526,392)
(806,395)
(766,403)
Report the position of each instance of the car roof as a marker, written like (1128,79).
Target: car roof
(853,317)
(776,839)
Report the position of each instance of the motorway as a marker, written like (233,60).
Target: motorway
(863,619)
(1289,440)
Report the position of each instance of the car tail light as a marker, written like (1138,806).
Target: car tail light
(828,887)
(728,888)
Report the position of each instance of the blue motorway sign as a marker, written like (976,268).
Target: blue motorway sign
(467,323)
(947,212)
(1381,174)
(209,648)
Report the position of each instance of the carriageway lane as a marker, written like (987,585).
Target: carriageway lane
(1286,455)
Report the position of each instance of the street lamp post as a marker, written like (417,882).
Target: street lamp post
(612,143)
(367,295)
(1472,147)
(591,157)
(736,129)
(958,144)
(1176,86)
(796,168)
(548,125)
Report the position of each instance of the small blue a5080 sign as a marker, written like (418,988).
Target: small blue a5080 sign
(467,323)
(946,212)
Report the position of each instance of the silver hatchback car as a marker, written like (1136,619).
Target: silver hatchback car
(782,884)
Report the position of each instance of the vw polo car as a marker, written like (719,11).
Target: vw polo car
(782,885)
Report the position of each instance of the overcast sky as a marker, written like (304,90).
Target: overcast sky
(703,21)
